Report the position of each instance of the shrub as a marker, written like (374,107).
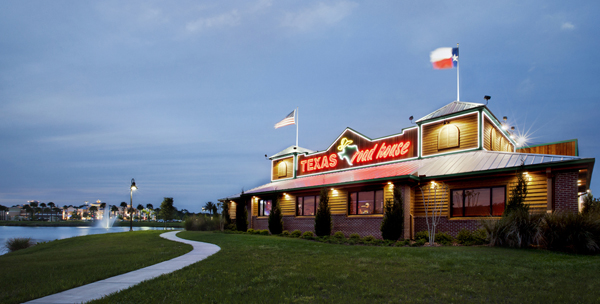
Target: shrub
(469,238)
(402,243)
(230,227)
(263,232)
(276,218)
(352,241)
(419,242)
(296,233)
(392,226)
(241,214)
(591,205)
(14,244)
(518,194)
(444,238)
(251,231)
(518,229)
(285,233)
(369,239)
(308,235)
(323,215)
(201,223)
(571,232)
(422,235)
(354,236)
(339,235)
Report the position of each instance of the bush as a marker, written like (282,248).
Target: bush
(276,218)
(263,232)
(296,233)
(339,235)
(14,244)
(323,215)
(518,229)
(444,238)
(241,214)
(469,238)
(354,236)
(571,232)
(591,205)
(402,243)
(392,226)
(285,233)
(422,235)
(251,231)
(308,235)
(419,242)
(230,227)
(369,239)
(201,223)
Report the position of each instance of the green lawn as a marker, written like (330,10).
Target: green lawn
(263,269)
(63,264)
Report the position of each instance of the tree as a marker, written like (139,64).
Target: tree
(276,218)
(93,211)
(518,194)
(140,208)
(114,209)
(56,210)
(225,212)
(591,205)
(124,206)
(28,209)
(323,215)
(210,207)
(151,208)
(241,214)
(392,226)
(51,205)
(166,209)
(434,205)
(34,208)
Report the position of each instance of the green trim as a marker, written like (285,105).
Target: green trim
(499,126)
(480,129)
(557,142)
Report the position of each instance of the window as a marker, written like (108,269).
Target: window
(282,169)
(307,205)
(366,202)
(264,207)
(478,202)
(448,137)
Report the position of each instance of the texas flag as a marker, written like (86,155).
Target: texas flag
(444,58)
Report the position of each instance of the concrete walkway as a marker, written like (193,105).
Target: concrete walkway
(105,287)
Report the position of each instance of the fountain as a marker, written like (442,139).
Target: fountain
(106,221)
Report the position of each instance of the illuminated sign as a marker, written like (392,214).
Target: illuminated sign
(352,149)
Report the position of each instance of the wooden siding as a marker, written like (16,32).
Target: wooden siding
(563,148)
(232,207)
(500,143)
(467,126)
(288,205)
(289,161)
(536,186)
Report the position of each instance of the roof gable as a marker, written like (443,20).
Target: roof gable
(453,107)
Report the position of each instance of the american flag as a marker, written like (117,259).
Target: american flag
(288,120)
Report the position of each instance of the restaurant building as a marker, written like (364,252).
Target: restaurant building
(462,145)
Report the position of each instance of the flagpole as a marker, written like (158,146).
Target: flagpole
(457,77)
(296,126)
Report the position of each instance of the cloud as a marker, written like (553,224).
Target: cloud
(229,19)
(321,14)
(567,26)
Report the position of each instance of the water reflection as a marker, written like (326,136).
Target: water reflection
(40,234)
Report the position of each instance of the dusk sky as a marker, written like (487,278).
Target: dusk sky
(183,95)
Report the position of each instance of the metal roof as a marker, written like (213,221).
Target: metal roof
(290,150)
(468,162)
(453,107)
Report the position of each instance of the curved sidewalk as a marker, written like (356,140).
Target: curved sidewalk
(105,287)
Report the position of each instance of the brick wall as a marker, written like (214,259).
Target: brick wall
(362,225)
(565,192)
(452,227)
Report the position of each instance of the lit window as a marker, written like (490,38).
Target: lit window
(366,202)
(478,202)
(264,207)
(307,205)
(448,137)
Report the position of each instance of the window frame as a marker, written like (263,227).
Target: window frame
(374,201)
(261,211)
(316,204)
(491,188)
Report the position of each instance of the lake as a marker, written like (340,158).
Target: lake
(40,234)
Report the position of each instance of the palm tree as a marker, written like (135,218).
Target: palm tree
(65,210)
(56,210)
(51,205)
(93,211)
(210,207)
(124,206)
(140,208)
(34,208)
(151,208)
(114,209)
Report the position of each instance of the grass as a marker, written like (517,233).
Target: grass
(59,265)
(87,223)
(261,269)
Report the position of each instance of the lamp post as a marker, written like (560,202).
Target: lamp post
(133,187)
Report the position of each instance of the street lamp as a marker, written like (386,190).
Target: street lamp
(133,187)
